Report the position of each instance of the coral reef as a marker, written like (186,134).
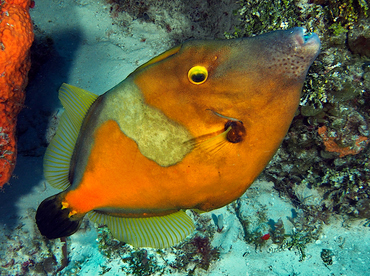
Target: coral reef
(261,230)
(359,38)
(258,17)
(16,37)
(191,256)
(342,15)
(24,251)
(306,229)
(198,253)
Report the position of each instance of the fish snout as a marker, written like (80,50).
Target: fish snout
(293,53)
(309,41)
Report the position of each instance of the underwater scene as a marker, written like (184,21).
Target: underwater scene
(226,137)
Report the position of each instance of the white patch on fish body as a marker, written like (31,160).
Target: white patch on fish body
(158,138)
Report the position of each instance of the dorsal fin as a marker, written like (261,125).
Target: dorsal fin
(76,103)
(156,232)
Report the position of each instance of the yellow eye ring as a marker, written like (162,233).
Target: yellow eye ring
(198,74)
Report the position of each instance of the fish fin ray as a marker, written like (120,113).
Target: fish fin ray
(211,143)
(156,232)
(58,155)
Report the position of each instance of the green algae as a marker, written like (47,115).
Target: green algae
(258,17)
(342,15)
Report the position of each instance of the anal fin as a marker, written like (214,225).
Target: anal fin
(156,232)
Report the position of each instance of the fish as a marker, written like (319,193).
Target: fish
(191,129)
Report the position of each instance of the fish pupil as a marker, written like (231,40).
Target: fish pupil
(236,133)
(198,77)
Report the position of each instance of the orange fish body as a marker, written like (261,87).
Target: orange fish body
(191,129)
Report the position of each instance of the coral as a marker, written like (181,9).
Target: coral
(307,226)
(198,253)
(219,222)
(278,232)
(23,251)
(257,17)
(137,9)
(16,37)
(307,229)
(342,15)
(332,146)
(108,246)
(191,256)
(132,260)
(363,208)
(141,264)
(260,16)
(254,228)
(359,38)
(327,256)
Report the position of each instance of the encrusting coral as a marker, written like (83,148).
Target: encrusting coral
(332,146)
(16,37)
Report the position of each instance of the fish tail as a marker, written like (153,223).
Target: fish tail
(55,220)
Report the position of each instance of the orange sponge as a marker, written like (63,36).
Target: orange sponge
(16,37)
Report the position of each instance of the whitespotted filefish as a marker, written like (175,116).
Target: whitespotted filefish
(190,129)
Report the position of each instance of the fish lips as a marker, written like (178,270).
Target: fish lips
(310,41)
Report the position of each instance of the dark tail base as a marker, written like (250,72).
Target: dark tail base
(53,221)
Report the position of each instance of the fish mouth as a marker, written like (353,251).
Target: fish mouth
(306,39)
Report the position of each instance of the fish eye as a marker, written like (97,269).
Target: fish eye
(198,74)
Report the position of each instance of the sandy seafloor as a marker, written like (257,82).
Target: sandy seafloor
(87,55)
